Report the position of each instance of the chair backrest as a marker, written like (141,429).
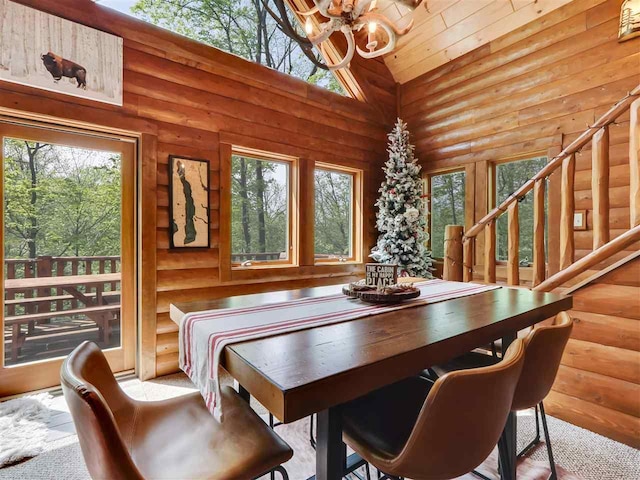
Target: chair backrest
(461,420)
(102,413)
(544,346)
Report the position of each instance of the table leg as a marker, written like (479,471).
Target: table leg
(331,452)
(244,393)
(507,445)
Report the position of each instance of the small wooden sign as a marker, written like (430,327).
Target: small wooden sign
(381,274)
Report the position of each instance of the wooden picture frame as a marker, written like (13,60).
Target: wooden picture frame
(579,220)
(189,203)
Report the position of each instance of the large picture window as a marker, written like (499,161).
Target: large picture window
(334,214)
(508,178)
(260,210)
(447,198)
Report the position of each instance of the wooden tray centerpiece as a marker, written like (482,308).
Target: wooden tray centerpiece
(381,286)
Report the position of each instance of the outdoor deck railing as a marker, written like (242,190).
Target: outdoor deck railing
(30,305)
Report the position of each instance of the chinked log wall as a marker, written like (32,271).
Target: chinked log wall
(188,99)
(534,91)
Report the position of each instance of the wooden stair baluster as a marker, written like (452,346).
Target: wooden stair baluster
(513,262)
(634,163)
(490,252)
(539,260)
(567,209)
(467,250)
(600,187)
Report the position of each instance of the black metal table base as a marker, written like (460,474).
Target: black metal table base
(507,443)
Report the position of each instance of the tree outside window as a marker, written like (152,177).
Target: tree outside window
(60,201)
(447,207)
(333,215)
(259,210)
(241,27)
(509,177)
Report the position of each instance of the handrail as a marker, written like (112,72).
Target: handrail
(609,117)
(614,246)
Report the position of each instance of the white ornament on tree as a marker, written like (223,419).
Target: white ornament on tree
(401,219)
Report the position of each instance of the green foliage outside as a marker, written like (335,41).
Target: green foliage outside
(333,207)
(259,206)
(509,177)
(241,27)
(447,207)
(60,201)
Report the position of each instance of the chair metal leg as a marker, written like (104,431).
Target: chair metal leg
(272,421)
(312,437)
(536,440)
(547,439)
(283,473)
(476,473)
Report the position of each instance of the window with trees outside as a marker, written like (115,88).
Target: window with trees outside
(446,207)
(334,214)
(508,178)
(241,27)
(260,210)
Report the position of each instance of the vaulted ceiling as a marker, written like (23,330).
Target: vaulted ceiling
(446,29)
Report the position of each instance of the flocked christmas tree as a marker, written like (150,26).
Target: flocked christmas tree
(401,216)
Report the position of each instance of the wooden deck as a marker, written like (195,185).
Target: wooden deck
(54,303)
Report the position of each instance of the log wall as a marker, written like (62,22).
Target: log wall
(530,92)
(190,99)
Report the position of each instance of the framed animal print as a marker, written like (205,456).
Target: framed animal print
(189,208)
(44,51)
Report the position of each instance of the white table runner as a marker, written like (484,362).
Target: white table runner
(203,335)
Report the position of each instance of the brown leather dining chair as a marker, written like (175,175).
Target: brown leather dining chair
(122,438)
(544,347)
(438,430)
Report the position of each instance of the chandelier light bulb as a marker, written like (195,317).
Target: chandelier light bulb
(308,26)
(372,27)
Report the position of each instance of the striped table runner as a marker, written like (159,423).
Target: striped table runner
(203,335)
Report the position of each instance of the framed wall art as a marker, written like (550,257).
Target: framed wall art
(189,208)
(44,51)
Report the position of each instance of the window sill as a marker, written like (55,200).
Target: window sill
(277,273)
(337,262)
(262,266)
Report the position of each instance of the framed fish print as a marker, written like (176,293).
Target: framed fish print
(189,207)
(43,51)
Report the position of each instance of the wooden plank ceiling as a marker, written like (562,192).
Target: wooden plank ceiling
(447,29)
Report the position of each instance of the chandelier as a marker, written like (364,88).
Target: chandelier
(348,17)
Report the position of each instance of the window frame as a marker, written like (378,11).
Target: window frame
(356,213)
(43,373)
(427,193)
(293,244)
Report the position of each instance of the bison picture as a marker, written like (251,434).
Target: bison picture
(60,67)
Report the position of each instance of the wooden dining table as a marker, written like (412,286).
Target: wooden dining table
(312,371)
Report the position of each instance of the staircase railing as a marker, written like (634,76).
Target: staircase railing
(585,263)
(598,134)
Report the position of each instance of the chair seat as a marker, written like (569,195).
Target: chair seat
(380,423)
(179,438)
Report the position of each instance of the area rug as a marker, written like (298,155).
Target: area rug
(23,427)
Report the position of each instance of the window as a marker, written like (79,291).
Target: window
(243,28)
(335,213)
(261,226)
(447,199)
(508,178)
